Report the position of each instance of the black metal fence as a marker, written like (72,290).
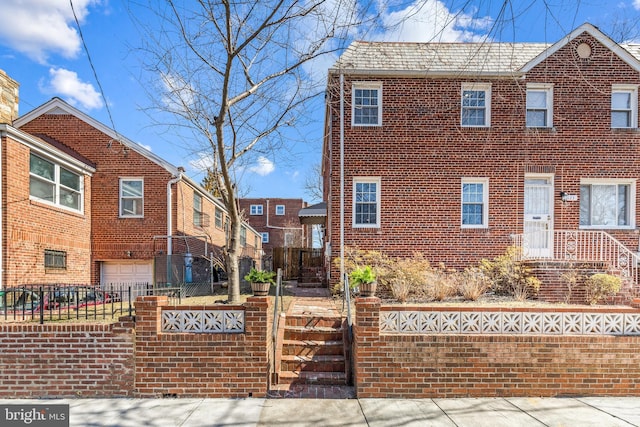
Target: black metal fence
(75,302)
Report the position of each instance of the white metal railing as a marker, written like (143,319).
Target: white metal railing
(579,245)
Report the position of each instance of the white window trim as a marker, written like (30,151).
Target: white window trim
(120,197)
(58,185)
(485,201)
(633,89)
(548,88)
(264,237)
(486,87)
(256,210)
(283,210)
(632,202)
(366,85)
(360,180)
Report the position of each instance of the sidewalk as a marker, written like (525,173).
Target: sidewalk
(494,412)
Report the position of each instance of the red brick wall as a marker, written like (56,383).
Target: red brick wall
(276,223)
(445,366)
(202,365)
(420,153)
(72,361)
(31,227)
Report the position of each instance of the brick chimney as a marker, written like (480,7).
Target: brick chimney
(8,98)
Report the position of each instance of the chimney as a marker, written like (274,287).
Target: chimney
(8,98)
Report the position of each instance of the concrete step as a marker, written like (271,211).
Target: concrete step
(315,363)
(310,321)
(311,347)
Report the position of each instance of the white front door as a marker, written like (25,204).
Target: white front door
(538,216)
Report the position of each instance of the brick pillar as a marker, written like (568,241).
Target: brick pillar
(366,337)
(258,326)
(148,314)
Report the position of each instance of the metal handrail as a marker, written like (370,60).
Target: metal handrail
(276,312)
(346,300)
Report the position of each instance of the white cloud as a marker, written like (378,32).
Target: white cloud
(433,21)
(178,94)
(263,166)
(39,28)
(636,4)
(67,84)
(203,162)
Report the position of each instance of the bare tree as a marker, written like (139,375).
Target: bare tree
(235,74)
(313,182)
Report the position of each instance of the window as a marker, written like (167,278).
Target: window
(255,210)
(265,237)
(131,197)
(476,105)
(218,214)
(366,203)
(197,210)
(52,183)
(288,239)
(539,106)
(366,104)
(624,106)
(607,204)
(243,236)
(55,259)
(279,209)
(475,202)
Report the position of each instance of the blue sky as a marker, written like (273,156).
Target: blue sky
(40,47)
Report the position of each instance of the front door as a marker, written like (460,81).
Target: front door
(538,216)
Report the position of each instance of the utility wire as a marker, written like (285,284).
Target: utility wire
(93,68)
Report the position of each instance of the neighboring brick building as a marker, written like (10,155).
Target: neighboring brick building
(451,149)
(277,222)
(81,203)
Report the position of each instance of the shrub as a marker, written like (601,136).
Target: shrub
(571,279)
(442,284)
(602,285)
(510,276)
(406,276)
(474,283)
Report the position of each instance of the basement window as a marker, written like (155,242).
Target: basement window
(55,259)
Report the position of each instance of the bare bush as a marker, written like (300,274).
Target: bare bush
(442,283)
(510,276)
(474,283)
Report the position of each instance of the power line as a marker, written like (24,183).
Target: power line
(93,68)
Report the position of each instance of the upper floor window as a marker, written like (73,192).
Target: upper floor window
(243,236)
(197,210)
(539,105)
(279,209)
(131,197)
(475,202)
(476,105)
(366,104)
(265,237)
(607,203)
(52,183)
(624,106)
(255,210)
(366,202)
(218,218)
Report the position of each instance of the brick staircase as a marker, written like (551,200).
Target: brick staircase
(313,354)
(311,277)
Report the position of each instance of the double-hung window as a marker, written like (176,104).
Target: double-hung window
(607,203)
(279,209)
(255,210)
(51,183)
(476,105)
(218,219)
(197,210)
(475,202)
(131,197)
(539,105)
(243,236)
(366,104)
(265,236)
(624,106)
(366,202)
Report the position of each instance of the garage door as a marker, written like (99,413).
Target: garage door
(115,272)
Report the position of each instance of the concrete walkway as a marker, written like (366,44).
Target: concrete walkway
(591,411)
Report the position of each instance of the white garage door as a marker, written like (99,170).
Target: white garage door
(129,272)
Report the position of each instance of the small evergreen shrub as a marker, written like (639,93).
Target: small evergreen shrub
(602,285)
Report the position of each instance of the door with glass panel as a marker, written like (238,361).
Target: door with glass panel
(538,216)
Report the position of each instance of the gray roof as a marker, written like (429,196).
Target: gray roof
(438,58)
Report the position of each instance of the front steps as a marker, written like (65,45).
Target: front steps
(313,362)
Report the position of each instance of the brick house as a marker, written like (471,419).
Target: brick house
(277,221)
(459,150)
(83,204)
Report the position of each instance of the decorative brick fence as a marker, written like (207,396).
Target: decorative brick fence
(419,352)
(181,351)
